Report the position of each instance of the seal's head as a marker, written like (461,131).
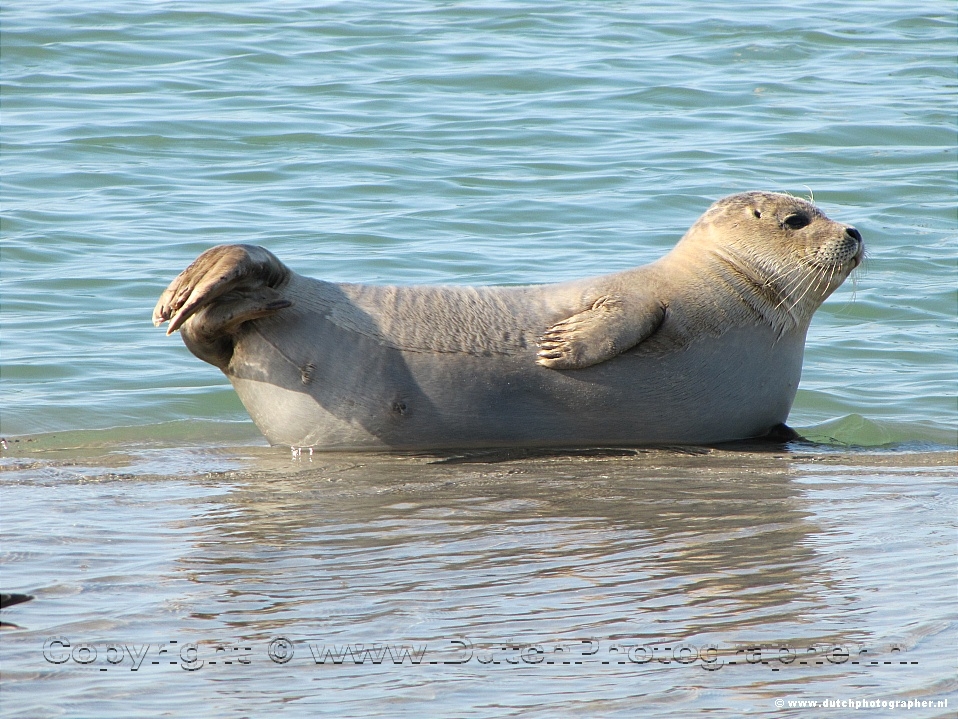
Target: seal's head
(779,250)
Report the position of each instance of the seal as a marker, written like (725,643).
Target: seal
(701,346)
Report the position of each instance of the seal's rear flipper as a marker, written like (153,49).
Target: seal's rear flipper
(226,286)
(245,270)
(610,327)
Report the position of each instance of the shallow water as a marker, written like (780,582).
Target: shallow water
(551,585)
(500,142)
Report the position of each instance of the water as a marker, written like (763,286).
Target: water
(449,143)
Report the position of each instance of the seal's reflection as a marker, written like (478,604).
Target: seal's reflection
(387,545)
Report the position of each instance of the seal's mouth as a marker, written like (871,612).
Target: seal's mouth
(859,256)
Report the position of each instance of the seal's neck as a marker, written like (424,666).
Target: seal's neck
(763,293)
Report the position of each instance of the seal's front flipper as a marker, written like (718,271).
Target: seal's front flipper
(610,327)
(242,279)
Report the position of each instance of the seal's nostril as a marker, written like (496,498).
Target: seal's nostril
(853,232)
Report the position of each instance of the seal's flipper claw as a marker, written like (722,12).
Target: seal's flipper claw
(610,327)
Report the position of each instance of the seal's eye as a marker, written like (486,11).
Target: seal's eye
(796,221)
(757,213)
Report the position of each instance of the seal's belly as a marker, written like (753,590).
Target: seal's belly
(353,393)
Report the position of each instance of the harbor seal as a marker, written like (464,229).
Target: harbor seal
(701,346)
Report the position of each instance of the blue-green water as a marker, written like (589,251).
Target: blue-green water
(497,143)
(427,142)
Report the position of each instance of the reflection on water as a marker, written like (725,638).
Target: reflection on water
(545,564)
(610,541)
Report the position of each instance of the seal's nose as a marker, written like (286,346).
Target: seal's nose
(852,233)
